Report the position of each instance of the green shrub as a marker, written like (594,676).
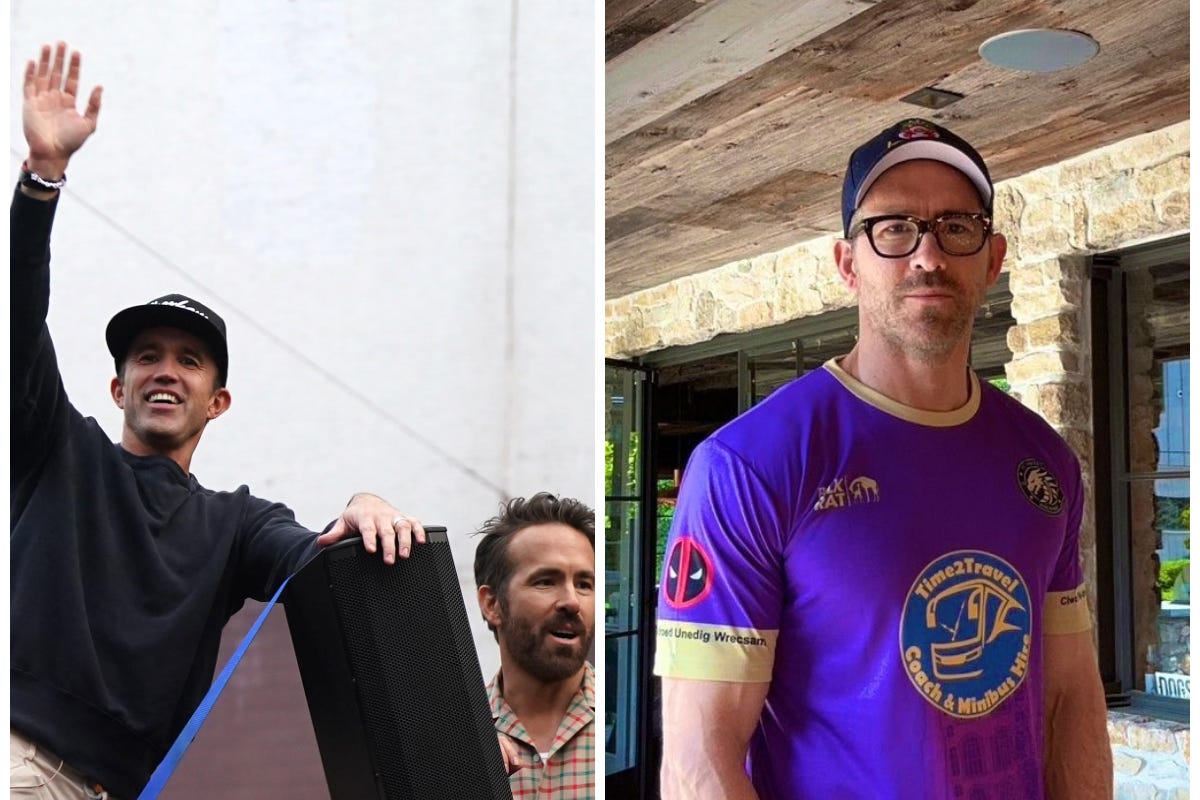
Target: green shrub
(1167,574)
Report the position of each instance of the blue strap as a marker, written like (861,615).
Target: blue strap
(159,779)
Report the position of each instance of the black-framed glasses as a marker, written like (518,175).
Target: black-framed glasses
(899,235)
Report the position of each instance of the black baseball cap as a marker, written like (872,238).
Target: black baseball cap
(909,140)
(169,311)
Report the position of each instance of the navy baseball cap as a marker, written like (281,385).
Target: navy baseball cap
(169,311)
(909,140)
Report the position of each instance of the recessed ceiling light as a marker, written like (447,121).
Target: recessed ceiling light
(929,97)
(1039,50)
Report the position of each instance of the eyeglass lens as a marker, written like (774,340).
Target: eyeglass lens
(956,235)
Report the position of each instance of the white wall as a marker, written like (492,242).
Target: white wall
(334,178)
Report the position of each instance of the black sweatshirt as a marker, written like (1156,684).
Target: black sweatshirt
(124,568)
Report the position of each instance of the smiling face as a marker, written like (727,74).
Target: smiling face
(168,391)
(922,304)
(546,613)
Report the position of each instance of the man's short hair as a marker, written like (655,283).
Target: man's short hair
(492,565)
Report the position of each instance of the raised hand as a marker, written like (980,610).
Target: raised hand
(54,129)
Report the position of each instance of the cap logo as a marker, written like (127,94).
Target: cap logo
(178,304)
(917,130)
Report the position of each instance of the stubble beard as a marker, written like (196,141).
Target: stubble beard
(932,333)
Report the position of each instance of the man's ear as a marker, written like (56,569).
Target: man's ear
(220,402)
(997,249)
(843,257)
(118,392)
(489,605)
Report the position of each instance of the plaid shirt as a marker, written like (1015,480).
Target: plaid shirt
(570,771)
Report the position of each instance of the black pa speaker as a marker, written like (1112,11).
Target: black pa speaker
(392,679)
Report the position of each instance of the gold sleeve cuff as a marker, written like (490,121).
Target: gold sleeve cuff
(1066,612)
(714,652)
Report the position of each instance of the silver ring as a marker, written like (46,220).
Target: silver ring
(400,518)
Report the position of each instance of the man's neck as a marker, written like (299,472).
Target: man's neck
(927,384)
(539,705)
(181,456)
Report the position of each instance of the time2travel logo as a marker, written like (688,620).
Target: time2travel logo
(965,633)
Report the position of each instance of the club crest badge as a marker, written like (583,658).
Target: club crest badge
(688,578)
(916,129)
(966,632)
(1039,486)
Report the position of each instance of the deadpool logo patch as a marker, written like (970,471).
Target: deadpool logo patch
(689,574)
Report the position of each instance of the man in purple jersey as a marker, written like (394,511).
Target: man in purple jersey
(872,586)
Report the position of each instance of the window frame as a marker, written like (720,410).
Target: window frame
(1114,534)
(636,778)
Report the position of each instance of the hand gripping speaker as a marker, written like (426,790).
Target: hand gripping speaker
(392,679)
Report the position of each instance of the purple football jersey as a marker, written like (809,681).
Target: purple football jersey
(891,573)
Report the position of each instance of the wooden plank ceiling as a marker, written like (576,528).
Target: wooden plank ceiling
(729,122)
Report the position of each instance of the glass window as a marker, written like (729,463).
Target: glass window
(623,457)
(1158,462)
(989,338)
(1142,367)
(771,368)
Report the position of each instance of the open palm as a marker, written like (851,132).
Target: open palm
(54,129)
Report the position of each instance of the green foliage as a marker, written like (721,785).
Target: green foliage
(1172,513)
(608,466)
(666,513)
(1167,574)
(626,482)
(1001,384)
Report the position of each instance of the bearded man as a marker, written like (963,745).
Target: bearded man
(535,573)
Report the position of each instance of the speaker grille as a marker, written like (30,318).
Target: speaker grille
(415,673)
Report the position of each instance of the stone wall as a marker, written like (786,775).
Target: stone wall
(1150,757)
(747,295)
(1051,366)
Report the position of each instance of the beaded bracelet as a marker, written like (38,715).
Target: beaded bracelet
(34,181)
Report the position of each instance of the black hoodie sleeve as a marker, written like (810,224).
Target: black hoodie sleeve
(38,400)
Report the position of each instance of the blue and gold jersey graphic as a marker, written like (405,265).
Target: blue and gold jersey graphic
(966,632)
